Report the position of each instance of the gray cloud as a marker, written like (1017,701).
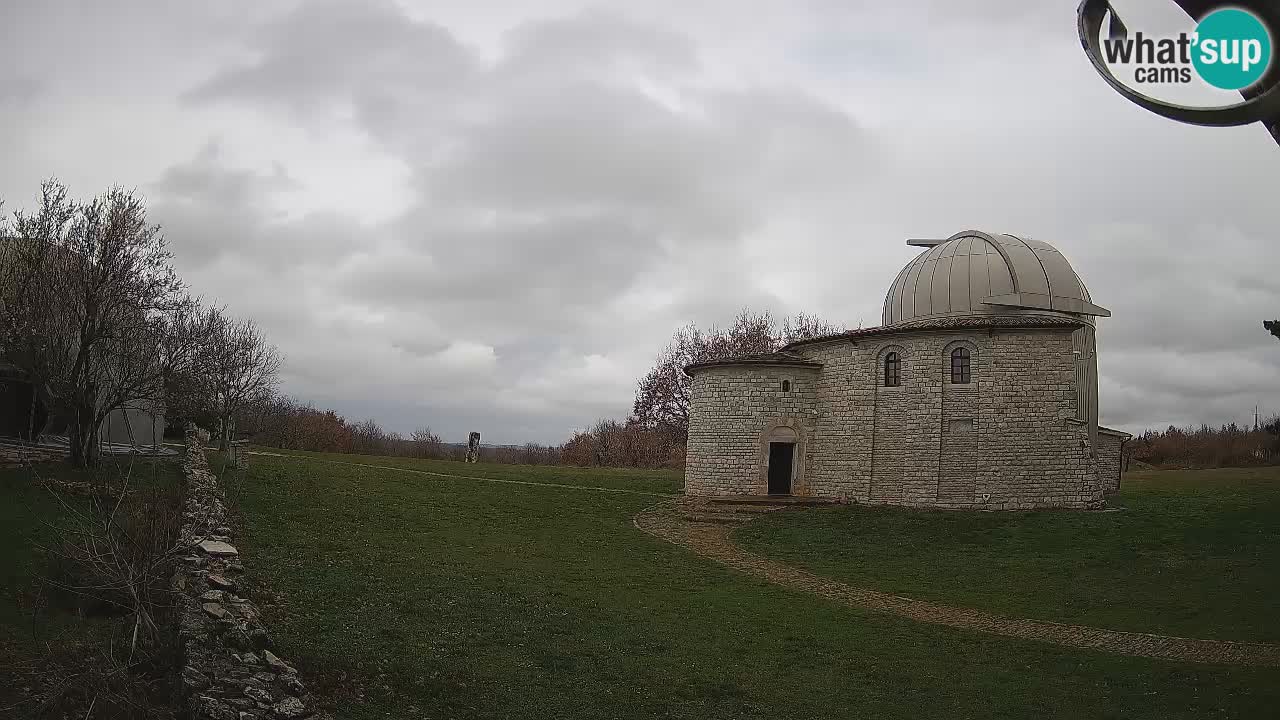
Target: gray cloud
(211,211)
(553,190)
(487,217)
(365,54)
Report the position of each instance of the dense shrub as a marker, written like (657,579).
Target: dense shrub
(110,560)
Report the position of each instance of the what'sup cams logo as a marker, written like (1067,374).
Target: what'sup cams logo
(1230,49)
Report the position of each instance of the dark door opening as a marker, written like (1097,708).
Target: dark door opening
(21,411)
(780,457)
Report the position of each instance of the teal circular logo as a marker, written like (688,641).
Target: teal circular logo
(1232,49)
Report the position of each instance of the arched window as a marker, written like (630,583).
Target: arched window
(786,386)
(892,370)
(960,366)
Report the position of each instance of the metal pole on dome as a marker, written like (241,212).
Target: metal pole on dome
(1261,101)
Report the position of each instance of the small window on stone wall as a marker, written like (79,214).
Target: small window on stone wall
(786,386)
(960,366)
(892,370)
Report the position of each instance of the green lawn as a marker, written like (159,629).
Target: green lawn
(1193,553)
(406,595)
(650,481)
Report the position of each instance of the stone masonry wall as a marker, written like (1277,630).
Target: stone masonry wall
(229,671)
(1034,453)
(731,406)
(1109,444)
(905,422)
(1002,441)
(962,424)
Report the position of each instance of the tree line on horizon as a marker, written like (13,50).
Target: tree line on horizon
(1191,447)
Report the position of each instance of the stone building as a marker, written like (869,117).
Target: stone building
(980,390)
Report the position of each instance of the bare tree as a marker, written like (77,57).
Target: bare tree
(191,330)
(91,295)
(662,395)
(426,443)
(803,326)
(370,438)
(240,368)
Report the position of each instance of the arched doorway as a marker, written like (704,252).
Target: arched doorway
(782,454)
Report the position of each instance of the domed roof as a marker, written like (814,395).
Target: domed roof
(978,273)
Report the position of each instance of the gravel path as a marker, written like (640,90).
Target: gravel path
(666,520)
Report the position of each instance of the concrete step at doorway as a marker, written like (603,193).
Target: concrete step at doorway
(717,518)
(775,501)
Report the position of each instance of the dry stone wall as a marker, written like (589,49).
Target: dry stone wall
(1007,440)
(229,670)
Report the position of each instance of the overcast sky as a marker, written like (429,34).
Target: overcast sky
(491,215)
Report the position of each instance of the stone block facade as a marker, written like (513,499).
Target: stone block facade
(1009,439)
(1111,458)
(734,414)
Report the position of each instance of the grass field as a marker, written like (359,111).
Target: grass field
(412,595)
(1193,553)
(667,482)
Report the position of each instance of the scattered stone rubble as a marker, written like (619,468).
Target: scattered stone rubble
(229,671)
